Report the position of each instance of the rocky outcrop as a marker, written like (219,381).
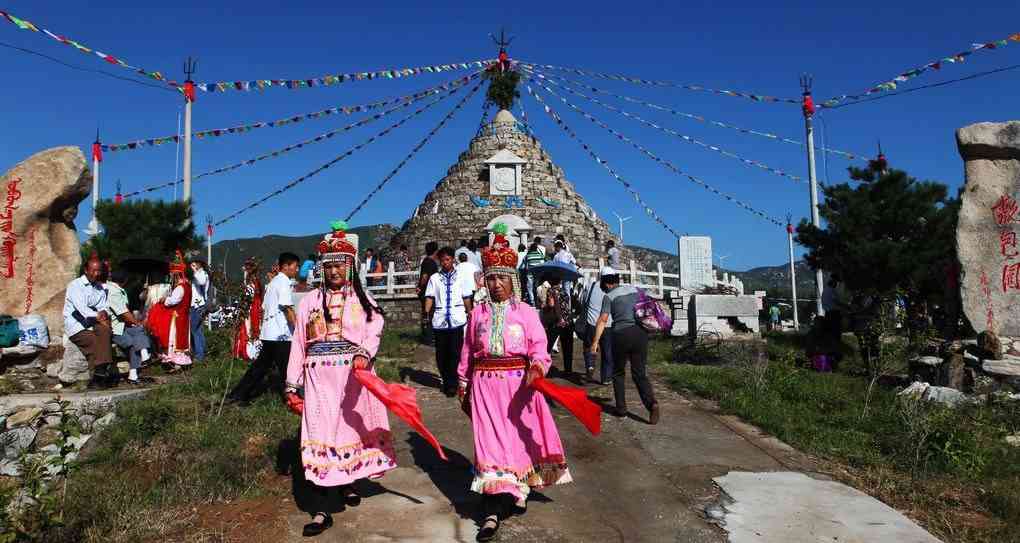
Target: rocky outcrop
(39,249)
(987,231)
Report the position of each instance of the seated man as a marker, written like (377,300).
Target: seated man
(128,332)
(86,320)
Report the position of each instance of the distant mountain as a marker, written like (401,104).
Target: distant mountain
(773,279)
(267,249)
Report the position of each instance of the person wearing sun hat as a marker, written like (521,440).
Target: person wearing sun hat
(517,445)
(345,433)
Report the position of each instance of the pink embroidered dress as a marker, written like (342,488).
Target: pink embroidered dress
(517,445)
(345,433)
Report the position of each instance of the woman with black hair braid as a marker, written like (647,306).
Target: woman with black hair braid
(345,434)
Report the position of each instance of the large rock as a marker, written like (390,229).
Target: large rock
(989,221)
(40,251)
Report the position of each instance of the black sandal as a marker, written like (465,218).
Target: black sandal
(313,528)
(489,529)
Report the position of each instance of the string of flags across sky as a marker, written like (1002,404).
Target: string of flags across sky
(647,153)
(321,137)
(669,131)
(243,129)
(338,158)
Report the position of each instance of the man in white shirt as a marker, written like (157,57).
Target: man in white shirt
(199,289)
(563,255)
(86,317)
(448,301)
(592,308)
(277,330)
(467,269)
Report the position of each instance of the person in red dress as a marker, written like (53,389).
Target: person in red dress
(246,337)
(168,319)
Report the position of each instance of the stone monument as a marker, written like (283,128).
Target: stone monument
(39,248)
(505,176)
(986,234)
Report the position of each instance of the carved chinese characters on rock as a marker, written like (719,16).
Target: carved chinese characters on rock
(8,239)
(1005,212)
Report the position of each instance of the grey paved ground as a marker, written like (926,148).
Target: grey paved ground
(635,482)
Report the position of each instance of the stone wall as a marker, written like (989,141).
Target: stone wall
(401,311)
(460,218)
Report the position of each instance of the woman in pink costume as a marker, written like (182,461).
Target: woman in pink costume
(345,434)
(517,446)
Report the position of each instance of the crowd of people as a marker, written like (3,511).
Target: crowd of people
(168,327)
(311,330)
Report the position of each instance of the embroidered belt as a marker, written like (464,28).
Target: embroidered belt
(330,348)
(505,363)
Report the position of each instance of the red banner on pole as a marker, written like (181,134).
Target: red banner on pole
(189,91)
(209,230)
(97,152)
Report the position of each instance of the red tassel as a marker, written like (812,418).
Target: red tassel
(97,152)
(400,400)
(209,230)
(118,198)
(189,91)
(574,400)
(808,106)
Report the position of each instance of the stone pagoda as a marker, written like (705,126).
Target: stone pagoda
(505,176)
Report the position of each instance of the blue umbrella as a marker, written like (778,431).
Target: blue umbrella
(565,271)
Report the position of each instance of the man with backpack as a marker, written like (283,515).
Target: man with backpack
(630,343)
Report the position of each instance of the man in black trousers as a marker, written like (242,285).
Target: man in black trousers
(276,332)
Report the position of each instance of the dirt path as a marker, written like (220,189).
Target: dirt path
(635,482)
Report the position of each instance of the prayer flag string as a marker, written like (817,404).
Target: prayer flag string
(669,131)
(699,118)
(321,137)
(655,83)
(257,84)
(626,184)
(413,152)
(243,129)
(336,79)
(338,158)
(936,65)
(649,154)
(26,25)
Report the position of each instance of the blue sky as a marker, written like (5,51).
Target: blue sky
(747,46)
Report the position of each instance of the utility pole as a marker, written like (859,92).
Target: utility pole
(793,274)
(189,98)
(208,240)
(622,220)
(808,107)
(97,158)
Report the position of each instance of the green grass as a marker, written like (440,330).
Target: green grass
(176,449)
(934,461)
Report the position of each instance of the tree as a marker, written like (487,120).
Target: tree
(143,228)
(888,236)
(502,89)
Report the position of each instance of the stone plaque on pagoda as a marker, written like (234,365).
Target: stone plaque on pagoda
(505,173)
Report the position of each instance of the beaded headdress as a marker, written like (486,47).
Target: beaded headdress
(500,259)
(338,245)
(178,266)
